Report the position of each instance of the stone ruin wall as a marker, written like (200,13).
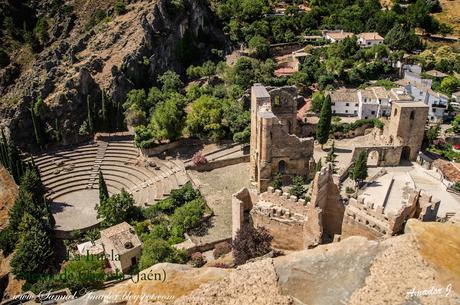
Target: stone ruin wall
(293,223)
(326,196)
(371,220)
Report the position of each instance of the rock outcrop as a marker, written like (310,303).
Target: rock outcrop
(121,53)
(419,267)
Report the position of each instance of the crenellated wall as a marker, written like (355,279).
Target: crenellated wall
(293,223)
(419,205)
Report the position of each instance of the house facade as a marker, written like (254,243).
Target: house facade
(370,39)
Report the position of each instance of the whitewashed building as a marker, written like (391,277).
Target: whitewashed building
(345,102)
(370,39)
(437,102)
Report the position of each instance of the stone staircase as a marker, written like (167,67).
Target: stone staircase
(102,148)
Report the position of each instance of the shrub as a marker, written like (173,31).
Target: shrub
(349,190)
(157,251)
(250,243)
(197,260)
(119,7)
(456,186)
(277,182)
(199,159)
(221,249)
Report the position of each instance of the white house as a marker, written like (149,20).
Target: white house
(370,39)
(369,103)
(436,101)
(345,102)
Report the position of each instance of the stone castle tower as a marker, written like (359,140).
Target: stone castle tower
(275,148)
(407,127)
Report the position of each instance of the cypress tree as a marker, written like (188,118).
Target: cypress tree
(319,165)
(324,125)
(103,192)
(90,117)
(34,253)
(297,187)
(360,167)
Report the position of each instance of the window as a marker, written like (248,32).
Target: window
(356,105)
(372,112)
(396,111)
(333,103)
(412,114)
(333,111)
(346,111)
(282,167)
(347,104)
(355,112)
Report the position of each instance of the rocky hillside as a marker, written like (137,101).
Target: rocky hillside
(92,47)
(419,267)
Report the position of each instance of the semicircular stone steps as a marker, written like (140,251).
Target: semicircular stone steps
(72,169)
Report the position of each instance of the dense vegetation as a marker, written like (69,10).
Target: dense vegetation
(30,230)
(248,19)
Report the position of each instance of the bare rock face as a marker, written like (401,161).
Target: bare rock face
(419,267)
(119,54)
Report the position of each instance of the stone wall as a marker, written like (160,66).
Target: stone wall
(326,196)
(209,166)
(275,143)
(293,223)
(419,205)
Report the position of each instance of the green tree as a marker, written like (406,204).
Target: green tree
(116,209)
(359,172)
(318,165)
(170,81)
(260,46)
(34,253)
(449,85)
(205,118)
(402,38)
(167,120)
(317,102)
(103,192)
(324,125)
(297,187)
(432,133)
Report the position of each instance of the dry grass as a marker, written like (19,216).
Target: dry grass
(8,193)
(450,14)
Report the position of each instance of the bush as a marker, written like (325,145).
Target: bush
(250,243)
(197,260)
(157,251)
(199,159)
(221,249)
(119,7)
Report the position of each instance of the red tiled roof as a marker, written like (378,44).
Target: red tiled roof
(450,171)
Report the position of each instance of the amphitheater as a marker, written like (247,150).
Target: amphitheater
(70,175)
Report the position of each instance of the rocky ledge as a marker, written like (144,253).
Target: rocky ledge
(419,267)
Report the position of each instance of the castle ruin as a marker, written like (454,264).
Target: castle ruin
(275,144)
(294,223)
